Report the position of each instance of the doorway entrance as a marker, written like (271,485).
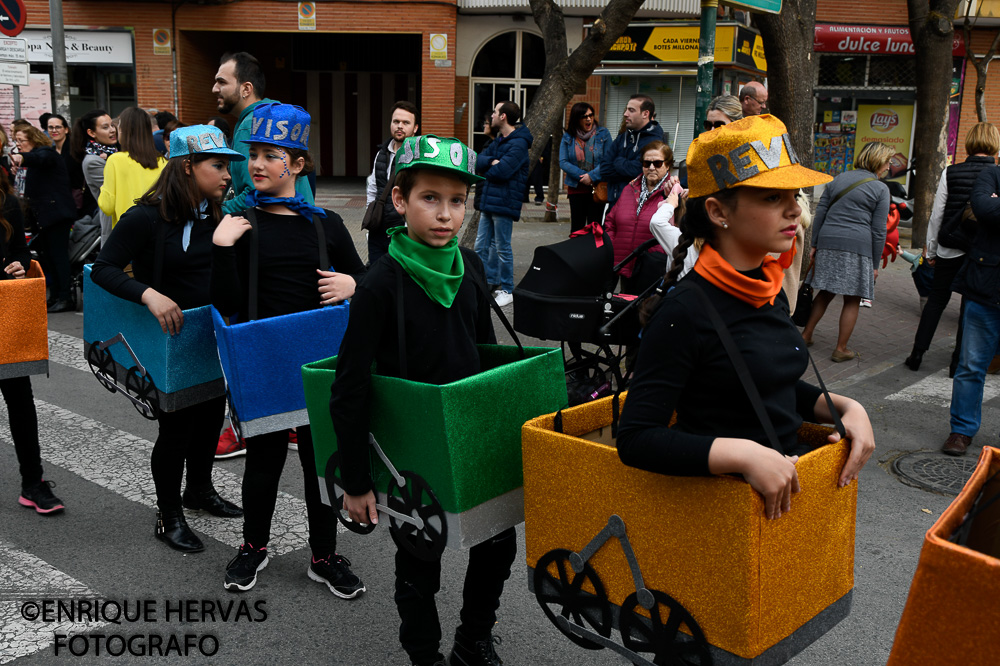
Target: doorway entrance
(508,67)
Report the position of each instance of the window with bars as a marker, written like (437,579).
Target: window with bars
(863,71)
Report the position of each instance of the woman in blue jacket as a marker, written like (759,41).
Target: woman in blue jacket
(580,154)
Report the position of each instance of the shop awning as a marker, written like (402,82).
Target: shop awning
(674,45)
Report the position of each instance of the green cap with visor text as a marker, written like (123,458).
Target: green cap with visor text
(444,154)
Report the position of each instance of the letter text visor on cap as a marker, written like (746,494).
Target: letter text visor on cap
(752,152)
(201,140)
(441,153)
(284,125)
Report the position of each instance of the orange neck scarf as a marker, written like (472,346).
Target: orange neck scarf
(719,272)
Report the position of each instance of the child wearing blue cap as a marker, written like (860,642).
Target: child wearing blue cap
(176,219)
(446,313)
(288,282)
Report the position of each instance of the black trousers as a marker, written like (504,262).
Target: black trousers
(417,581)
(583,210)
(945,271)
(265,459)
(55,257)
(23,427)
(189,436)
(536,179)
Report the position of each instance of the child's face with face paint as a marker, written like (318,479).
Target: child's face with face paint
(272,170)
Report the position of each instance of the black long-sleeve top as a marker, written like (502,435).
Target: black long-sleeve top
(440,348)
(14,248)
(184,276)
(46,186)
(289,256)
(683,366)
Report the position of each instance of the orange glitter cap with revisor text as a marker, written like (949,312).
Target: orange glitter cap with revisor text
(752,152)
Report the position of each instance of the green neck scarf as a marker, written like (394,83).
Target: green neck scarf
(438,271)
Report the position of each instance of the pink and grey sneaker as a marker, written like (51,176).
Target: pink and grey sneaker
(230,445)
(39,497)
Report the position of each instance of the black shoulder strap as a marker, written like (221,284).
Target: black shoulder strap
(324,256)
(848,189)
(254,264)
(480,283)
(400,312)
(161,240)
(400,322)
(748,385)
(740,366)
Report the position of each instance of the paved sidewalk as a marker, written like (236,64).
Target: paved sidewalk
(883,335)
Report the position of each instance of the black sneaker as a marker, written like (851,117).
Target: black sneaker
(241,572)
(335,572)
(474,653)
(40,498)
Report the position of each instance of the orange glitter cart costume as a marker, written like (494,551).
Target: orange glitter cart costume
(24,339)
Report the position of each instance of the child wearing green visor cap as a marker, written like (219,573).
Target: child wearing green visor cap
(445,315)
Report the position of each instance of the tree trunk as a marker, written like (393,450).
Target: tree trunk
(552,196)
(564,75)
(788,38)
(933,33)
(471,231)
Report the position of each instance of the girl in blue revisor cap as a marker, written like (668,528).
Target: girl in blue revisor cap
(288,281)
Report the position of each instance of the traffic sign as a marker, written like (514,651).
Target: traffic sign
(763,6)
(14,73)
(12,17)
(14,50)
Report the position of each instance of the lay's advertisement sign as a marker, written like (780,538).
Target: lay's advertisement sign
(887,123)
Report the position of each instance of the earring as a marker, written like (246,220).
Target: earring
(725,226)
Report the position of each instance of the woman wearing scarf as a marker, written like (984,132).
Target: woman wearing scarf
(580,154)
(180,212)
(627,223)
(94,139)
(287,282)
(743,183)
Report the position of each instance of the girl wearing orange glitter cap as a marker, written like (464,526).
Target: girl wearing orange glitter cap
(743,178)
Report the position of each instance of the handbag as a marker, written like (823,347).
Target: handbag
(375,210)
(959,231)
(601,192)
(804,302)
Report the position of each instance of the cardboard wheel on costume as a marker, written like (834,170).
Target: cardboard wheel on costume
(129,353)
(24,336)
(951,614)
(446,460)
(686,569)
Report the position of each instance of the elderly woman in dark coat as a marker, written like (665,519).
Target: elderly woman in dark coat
(848,237)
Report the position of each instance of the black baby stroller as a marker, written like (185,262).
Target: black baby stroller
(568,295)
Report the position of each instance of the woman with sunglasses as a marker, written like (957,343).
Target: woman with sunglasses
(722,110)
(580,153)
(627,223)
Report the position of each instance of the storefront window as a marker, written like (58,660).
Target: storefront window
(841,72)
(496,59)
(892,72)
(532,56)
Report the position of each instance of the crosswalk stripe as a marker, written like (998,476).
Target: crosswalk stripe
(25,578)
(119,461)
(936,389)
(67,350)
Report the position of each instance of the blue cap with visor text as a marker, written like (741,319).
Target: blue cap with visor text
(284,125)
(201,140)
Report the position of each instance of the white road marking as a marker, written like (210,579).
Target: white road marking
(26,578)
(67,350)
(119,461)
(936,390)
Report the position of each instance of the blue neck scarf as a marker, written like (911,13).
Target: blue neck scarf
(296,203)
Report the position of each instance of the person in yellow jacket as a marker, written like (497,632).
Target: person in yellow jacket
(130,172)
